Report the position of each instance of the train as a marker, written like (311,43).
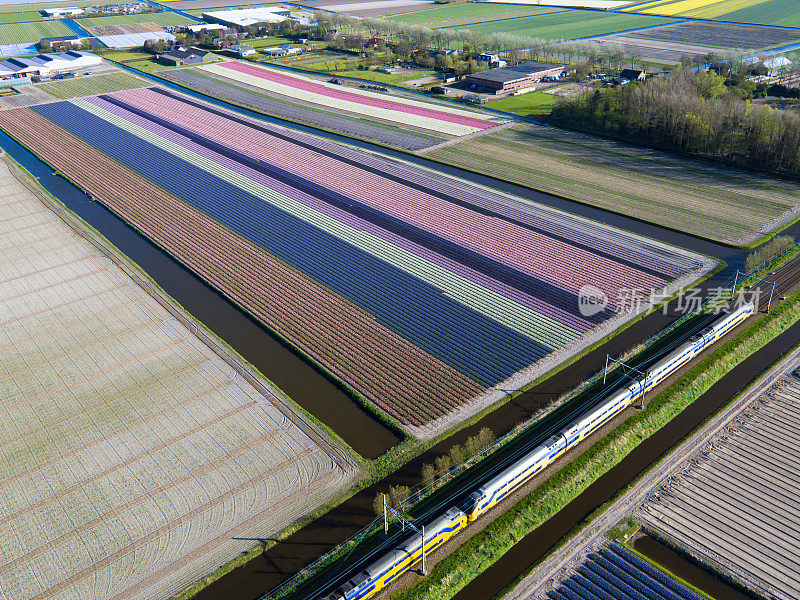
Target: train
(408,553)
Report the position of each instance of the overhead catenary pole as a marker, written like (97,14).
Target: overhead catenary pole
(411,526)
(630,368)
(385,517)
(424,571)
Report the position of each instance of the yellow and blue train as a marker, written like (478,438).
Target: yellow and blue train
(409,553)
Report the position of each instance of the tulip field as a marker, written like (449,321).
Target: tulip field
(418,292)
(375,105)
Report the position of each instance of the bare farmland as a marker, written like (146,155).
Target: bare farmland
(136,455)
(656,50)
(709,200)
(736,505)
(721,35)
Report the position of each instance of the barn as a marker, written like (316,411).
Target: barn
(504,79)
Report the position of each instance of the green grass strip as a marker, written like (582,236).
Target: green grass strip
(483,550)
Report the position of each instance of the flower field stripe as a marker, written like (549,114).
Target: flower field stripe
(605,241)
(475,297)
(410,384)
(481,119)
(532,302)
(560,265)
(237,160)
(386,112)
(474,344)
(446,113)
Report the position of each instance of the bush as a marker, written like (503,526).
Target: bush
(767,252)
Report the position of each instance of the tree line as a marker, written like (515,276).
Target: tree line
(405,39)
(695,113)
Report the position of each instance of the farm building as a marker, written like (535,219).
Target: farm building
(776,65)
(243,17)
(514,78)
(46,65)
(491,60)
(632,74)
(242,50)
(183,55)
(282,50)
(62,11)
(197,28)
(61,44)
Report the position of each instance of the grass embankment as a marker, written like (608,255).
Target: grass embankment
(703,199)
(484,549)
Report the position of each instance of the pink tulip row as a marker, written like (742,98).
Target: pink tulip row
(557,262)
(364,100)
(538,304)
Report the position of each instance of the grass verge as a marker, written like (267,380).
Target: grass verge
(484,549)
(532,104)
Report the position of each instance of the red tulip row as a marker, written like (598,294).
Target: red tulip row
(407,382)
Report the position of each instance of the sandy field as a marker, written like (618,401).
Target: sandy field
(136,455)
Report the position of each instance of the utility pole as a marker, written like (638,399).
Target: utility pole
(424,572)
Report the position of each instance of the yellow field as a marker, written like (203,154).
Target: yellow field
(701,9)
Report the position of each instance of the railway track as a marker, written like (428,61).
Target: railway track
(785,278)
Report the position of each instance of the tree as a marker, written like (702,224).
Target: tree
(457,455)
(45,46)
(428,474)
(444,62)
(443,465)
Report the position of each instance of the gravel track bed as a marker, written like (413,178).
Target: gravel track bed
(341,124)
(132,454)
(737,504)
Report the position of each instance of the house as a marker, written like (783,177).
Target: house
(62,11)
(632,75)
(182,55)
(519,76)
(220,43)
(444,52)
(242,50)
(490,60)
